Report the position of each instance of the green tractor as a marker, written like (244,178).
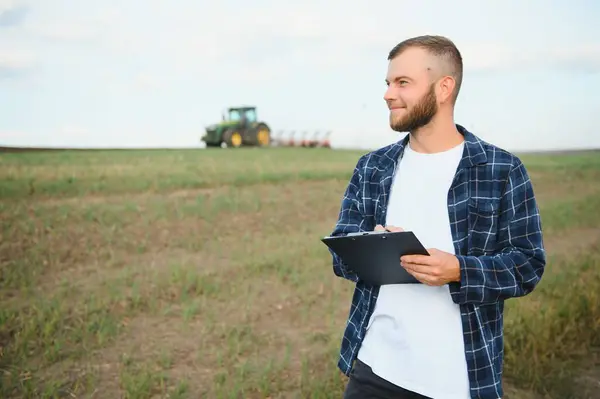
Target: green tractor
(239,128)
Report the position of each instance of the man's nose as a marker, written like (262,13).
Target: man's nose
(389,96)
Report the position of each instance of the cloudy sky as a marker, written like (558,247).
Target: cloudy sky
(128,73)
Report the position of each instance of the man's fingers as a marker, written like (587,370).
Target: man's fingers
(418,259)
(388,228)
(421,269)
(393,228)
(423,278)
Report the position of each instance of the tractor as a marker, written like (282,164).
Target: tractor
(240,127)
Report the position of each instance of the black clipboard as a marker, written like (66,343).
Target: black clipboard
(375,256)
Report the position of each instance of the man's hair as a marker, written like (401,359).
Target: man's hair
(440,47)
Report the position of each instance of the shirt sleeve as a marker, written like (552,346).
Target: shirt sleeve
(350,218)
(518,267)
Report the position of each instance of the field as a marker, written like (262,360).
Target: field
(142,274)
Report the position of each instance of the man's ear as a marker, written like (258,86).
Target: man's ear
(446,88)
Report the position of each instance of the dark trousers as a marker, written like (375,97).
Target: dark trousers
(364,384)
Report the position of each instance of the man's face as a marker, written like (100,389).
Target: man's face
(411,95)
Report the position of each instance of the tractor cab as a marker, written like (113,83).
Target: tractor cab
(242,115)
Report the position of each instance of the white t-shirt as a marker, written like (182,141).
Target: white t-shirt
(414,338)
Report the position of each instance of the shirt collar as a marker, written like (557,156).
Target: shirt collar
(473,153)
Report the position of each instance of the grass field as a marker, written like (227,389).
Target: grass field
(141,274)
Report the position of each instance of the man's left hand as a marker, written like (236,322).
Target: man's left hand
(438,268)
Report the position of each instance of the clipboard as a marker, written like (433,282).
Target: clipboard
(375,255)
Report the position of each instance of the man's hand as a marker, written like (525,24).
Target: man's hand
(438,268)
(388,228)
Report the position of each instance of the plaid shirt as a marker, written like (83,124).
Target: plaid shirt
(497,237)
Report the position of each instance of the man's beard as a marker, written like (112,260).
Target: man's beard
(419,116)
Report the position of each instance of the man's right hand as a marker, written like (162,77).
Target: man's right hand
(388,228)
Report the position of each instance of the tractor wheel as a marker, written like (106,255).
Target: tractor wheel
(262,136)
(232,138)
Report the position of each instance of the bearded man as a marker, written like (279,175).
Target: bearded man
(473,206)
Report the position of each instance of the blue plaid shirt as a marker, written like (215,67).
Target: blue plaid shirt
(497,234)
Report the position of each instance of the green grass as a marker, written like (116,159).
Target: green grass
(200,274)
(65,174)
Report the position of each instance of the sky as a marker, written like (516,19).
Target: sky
(152,73)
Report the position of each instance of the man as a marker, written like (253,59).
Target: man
(473,206)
